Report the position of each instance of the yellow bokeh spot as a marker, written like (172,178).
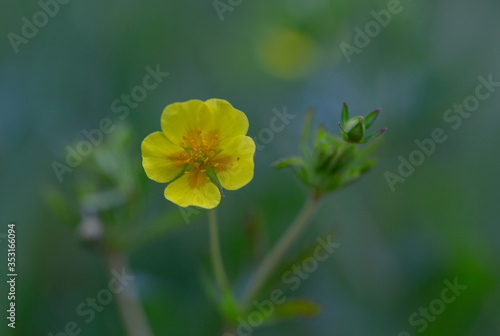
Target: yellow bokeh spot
(287,53)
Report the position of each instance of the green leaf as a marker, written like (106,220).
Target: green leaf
(367,166)
(367,151)
(306,131)
(288,162)
(229,306)
(326,142)
(225,301)
(355,174)
(303,174)
(320,138)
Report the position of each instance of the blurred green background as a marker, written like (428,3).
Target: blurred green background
(397,247)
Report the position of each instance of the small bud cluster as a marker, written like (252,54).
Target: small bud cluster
(333,162)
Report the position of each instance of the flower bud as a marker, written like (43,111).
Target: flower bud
(353,130)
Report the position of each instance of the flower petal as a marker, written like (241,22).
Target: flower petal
(229,122)
(193,189)
(235,163)
(185,119)
(161,158)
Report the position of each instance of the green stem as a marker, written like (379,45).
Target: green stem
(131,310)
(217,263)
(286,241)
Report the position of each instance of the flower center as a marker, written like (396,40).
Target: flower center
(199,153)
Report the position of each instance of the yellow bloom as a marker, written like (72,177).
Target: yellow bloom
(202,148)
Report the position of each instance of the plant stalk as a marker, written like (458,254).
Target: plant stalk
(131,309)
(215,253)
(273,258)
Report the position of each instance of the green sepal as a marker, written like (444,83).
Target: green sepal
(186,168)
(210,172)
(345,114)
(344,133)
(370,118)
(374,135)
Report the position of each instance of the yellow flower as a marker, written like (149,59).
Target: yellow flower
(202,148)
